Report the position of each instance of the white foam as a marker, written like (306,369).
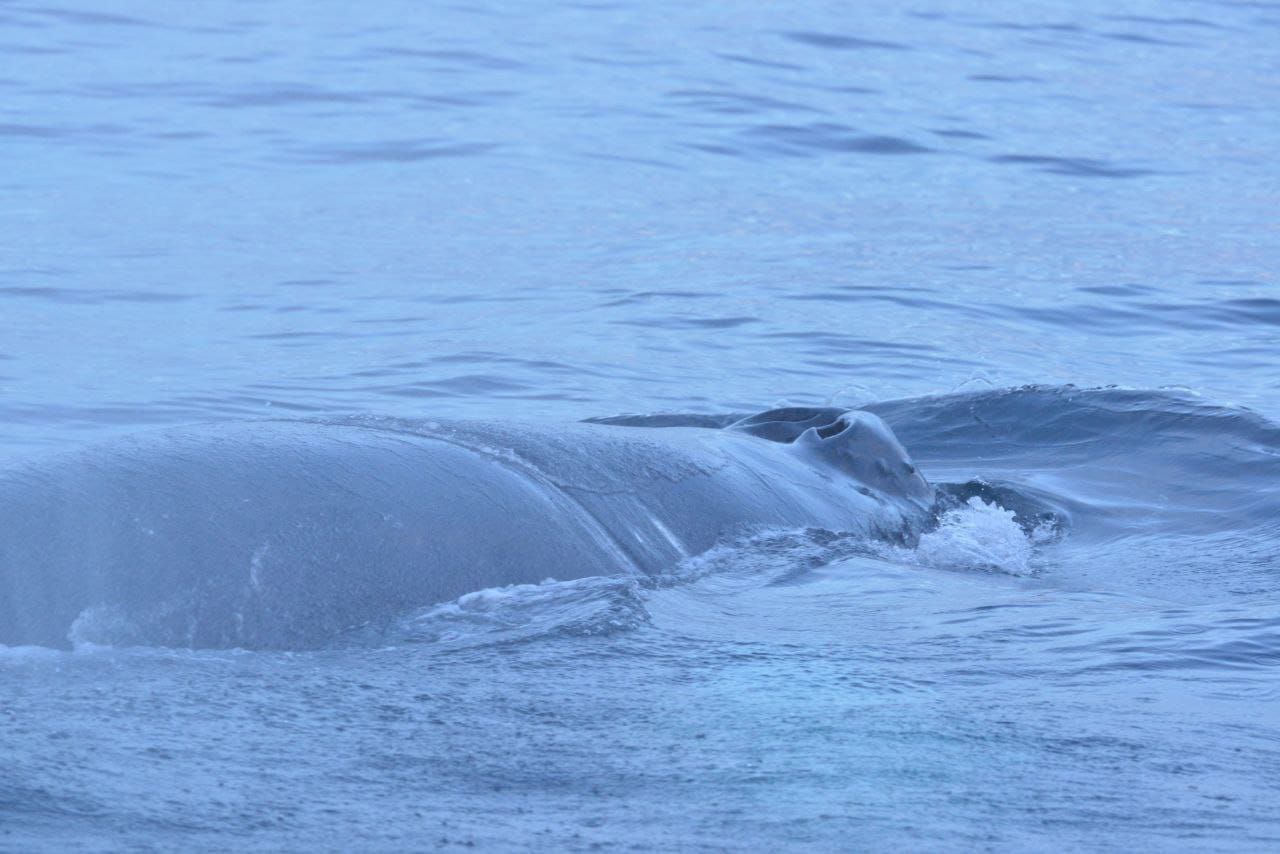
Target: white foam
(977,536)
(585,606)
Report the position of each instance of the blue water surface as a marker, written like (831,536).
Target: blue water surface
(1039,239)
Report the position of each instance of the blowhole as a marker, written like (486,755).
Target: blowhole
(834,429)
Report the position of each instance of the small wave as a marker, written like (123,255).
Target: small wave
(584,607)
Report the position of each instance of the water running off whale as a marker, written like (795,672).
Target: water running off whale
(281,534)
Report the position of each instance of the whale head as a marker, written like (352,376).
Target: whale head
(854,442)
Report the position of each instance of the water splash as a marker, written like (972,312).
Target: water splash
(102,625)
(978,535)
(583,607)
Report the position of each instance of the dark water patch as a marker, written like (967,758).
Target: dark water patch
(1246,283)
(463,385)
(406,151)
(180,135)
(826,137)
(720,322)
(302,95)
(91,19)
(1139,38)
(1198,23)
(248,58)
(650,296)
(31,50)
(834,41)
(463,299)
(1108,320)
(195,91)
(842,342)
(1120,319)
(307,283)
(24,801)
(471,99)
(447,59)
(300,335)
(596,7)
(414,364)
(612,61)
(493,358)
(286,95)
(887,361)
(1080,167)
(91,297)
(887,145)
(297,308)
(393,321)
(1005,78)
(1128,289)
(1180,645)
(712,148)
(36,131)
(1064,27)
(638,161)
(1206,107)
(1259,310)
(884,289)
(689,322)
(885,296)
(775,64)
(958,133)
(373,373)
(735,103)
(843,89)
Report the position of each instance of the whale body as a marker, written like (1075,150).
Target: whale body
(283,534)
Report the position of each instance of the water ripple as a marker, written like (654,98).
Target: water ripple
(826,137)
(1081,167)
(835,41)
(391,151)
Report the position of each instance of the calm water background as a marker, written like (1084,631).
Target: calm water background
(232,210)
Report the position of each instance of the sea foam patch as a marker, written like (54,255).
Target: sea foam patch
(977,535)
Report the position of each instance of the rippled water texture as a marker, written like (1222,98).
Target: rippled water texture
(1039,239)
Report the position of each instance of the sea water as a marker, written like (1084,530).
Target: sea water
(1039,239)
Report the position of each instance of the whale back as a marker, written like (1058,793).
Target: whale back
(272,534)
(283,534)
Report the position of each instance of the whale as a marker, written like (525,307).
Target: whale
(285,534)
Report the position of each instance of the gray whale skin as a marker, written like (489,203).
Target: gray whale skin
(283,534)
